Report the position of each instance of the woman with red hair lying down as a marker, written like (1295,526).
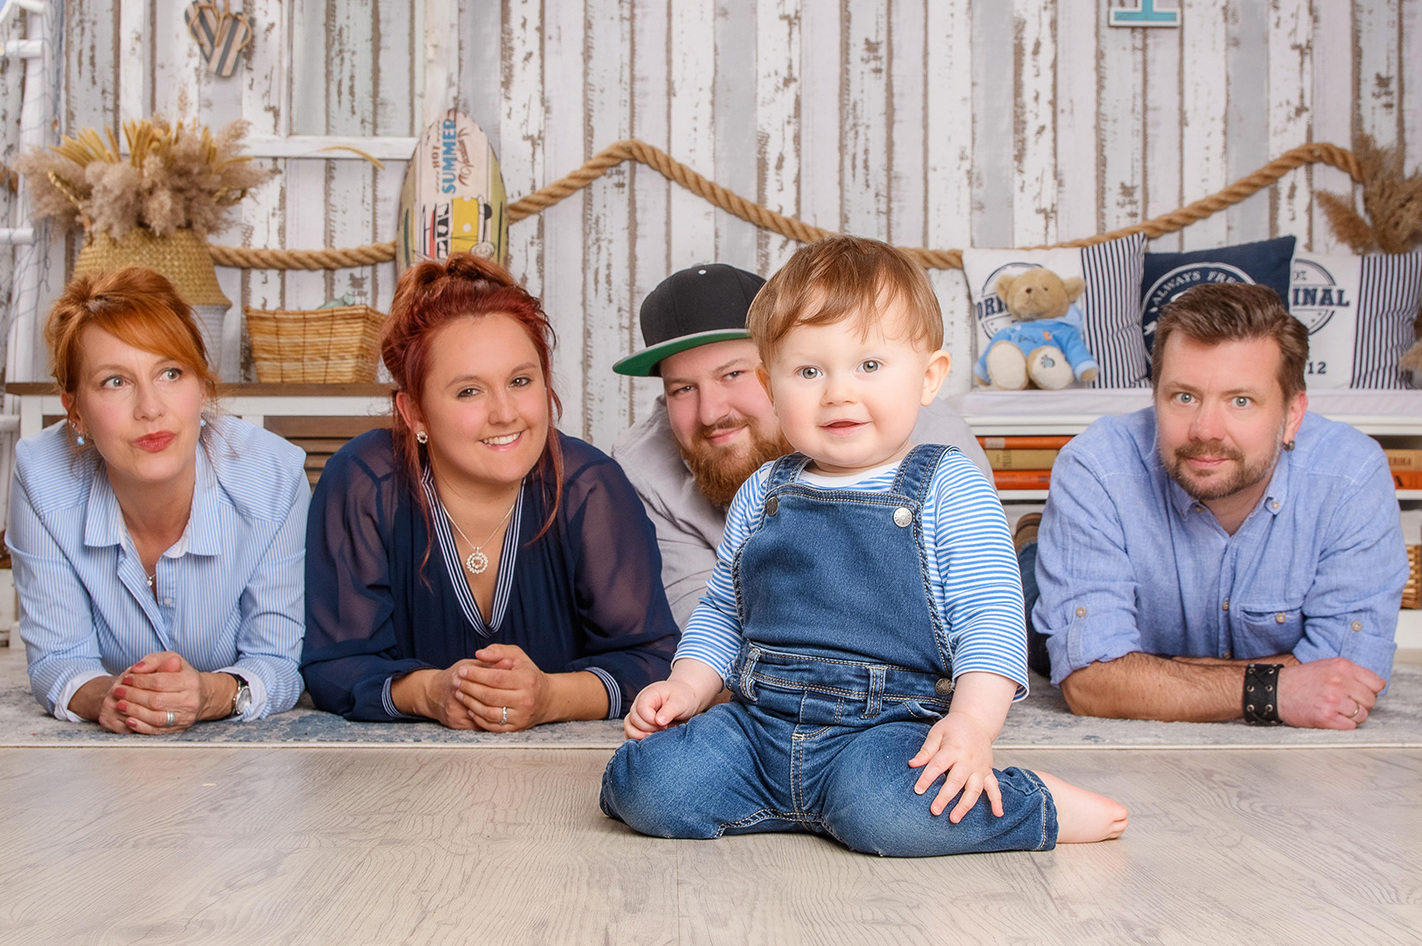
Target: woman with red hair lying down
(471,564)
(157,546)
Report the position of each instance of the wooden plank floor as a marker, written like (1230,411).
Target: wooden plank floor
(506,846)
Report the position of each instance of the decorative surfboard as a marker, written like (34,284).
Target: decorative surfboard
(453,199)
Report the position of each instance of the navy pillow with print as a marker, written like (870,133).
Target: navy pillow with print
(1267,263)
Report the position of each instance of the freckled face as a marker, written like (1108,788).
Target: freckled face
(141,410)
(485,404)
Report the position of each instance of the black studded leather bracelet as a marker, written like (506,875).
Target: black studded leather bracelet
(1261,695)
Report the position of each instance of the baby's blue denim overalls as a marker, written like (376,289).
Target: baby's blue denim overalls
(844,668)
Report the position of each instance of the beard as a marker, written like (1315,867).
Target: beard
(719,472)
(1241,477)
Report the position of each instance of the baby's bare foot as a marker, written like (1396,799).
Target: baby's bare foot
(1082,816)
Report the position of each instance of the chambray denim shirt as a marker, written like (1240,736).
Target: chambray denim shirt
(230,593)
(1127,561)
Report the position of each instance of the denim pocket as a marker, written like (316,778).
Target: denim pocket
(923,709)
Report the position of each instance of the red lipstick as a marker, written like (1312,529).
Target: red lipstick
(155,442)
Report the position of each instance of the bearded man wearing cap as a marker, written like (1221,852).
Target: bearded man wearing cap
(713,425)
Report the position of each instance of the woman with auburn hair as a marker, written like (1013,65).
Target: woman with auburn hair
(471,564)
(157,547)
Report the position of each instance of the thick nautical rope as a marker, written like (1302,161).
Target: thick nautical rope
(631,149)
(245,257)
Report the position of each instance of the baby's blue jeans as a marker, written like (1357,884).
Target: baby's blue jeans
(843,669)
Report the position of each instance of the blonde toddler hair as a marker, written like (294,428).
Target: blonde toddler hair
(843,277)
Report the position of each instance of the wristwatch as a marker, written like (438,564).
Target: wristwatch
(242,699)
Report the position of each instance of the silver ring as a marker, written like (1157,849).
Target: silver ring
(506,716)
(1357,708)
(172,719)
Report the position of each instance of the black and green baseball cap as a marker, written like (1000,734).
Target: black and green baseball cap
(697,306)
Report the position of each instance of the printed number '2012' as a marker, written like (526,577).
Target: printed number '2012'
(1317,367)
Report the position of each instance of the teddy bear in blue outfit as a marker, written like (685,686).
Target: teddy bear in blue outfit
(1044,348)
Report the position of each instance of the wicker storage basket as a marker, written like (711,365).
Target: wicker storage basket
(317,346)
(182,257)
(1412,591)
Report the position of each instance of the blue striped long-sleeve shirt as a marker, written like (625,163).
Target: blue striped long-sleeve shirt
(972,571)
(230,595)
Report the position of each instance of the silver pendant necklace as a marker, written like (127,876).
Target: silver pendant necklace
(477,562)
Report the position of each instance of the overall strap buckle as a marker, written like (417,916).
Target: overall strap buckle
(781,474)
(916,470)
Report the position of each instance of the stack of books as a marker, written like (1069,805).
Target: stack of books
(1406,468)
(1022,462)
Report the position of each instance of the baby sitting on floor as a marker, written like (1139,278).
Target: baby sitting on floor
(865,612)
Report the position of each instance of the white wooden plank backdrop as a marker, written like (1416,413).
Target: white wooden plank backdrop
(926,122)
(10,88)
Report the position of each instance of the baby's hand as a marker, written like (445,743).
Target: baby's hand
(658,706)
(960,746)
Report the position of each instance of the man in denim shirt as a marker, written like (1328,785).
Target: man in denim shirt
(1223,553)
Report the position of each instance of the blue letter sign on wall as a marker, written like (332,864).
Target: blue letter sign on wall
(1143,14)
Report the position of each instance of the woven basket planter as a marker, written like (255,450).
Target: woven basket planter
(182,258)
(315,346)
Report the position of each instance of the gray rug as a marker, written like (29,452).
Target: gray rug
(1042,721)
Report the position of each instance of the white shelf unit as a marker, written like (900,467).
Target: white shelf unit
(1400,428)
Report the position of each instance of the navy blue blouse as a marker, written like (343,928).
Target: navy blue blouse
(587,595)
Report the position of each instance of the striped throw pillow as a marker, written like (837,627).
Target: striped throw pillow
(1359,311)
(1110,303)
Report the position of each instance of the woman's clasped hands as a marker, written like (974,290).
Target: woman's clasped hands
(161,693)
(500,690)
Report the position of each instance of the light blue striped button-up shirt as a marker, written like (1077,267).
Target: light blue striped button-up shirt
(230,595)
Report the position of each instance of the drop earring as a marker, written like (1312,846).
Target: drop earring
(422,437)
